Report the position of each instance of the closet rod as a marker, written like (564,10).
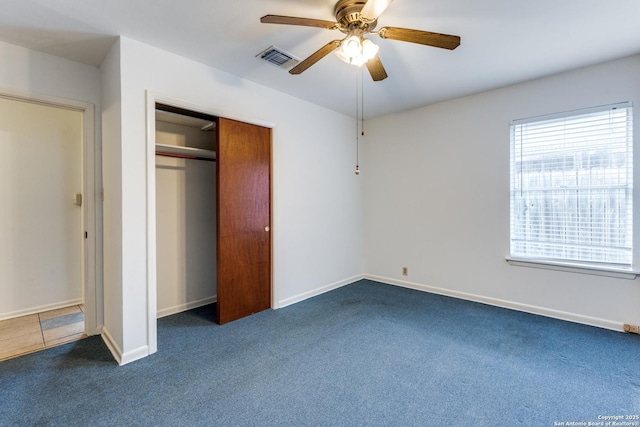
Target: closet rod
(184,156)
(185,152)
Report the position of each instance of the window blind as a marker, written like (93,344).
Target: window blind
(572,186)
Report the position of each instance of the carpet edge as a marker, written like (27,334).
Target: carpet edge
(318,291)
(511,305)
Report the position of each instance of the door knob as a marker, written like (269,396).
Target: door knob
(267,228)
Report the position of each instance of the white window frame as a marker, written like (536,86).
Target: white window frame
(622,270)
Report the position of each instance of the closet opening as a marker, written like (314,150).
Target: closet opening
(185,169)
(212,228)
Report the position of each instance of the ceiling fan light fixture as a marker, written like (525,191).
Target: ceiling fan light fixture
(369,49)
(357,50)
(358,61)
(340,54)
(352,46)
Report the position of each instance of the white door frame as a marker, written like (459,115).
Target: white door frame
(91,205)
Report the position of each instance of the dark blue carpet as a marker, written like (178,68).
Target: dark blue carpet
(366,354)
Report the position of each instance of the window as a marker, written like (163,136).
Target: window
(572,187)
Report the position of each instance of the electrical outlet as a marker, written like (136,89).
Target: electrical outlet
(632,329)
(405,271)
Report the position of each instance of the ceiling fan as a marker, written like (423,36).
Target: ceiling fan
(357,19)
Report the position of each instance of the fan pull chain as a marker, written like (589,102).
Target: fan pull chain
(361,101)
(357,128)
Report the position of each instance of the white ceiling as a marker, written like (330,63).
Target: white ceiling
(503,41)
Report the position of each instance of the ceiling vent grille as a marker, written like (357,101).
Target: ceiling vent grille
(278,57)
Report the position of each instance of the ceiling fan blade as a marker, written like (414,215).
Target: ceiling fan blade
(315,57)
(373,9)
(292,20)
(377,71)
(444,41)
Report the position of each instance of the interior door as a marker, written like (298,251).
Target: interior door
(243,219)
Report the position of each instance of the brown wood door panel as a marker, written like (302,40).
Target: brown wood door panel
(243,213)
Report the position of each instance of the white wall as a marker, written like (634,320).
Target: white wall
(185,222)
(35,72)
(437,198)
(112,206)
(31,74)
(316,198)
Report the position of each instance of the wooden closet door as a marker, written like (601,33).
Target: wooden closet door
(243,219)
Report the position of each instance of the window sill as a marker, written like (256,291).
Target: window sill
(619,273)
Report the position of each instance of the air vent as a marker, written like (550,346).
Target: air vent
(278,57)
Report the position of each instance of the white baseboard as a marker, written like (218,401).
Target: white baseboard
(542,311)
(116,352)
(133,355)
(40,309)
(186,306)
(92,332)
(111,345)
(315,292)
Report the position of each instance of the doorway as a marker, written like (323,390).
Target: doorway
(43,220)
(237,199)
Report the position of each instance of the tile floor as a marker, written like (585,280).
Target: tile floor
(27,334)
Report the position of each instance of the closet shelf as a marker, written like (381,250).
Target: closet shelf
(185,152)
